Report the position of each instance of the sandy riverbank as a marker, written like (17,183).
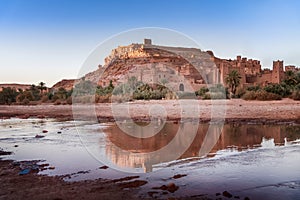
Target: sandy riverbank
(236,110)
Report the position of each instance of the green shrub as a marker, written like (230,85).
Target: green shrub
(44,99)
(217,95)
(296,95)
(282,90)
(239,93)
(84,99)
(253,88)
(61,94)
(120,98)
(57,102)
(35,91)
(25,101)
(84,88)
(33,103)
(214,92)
(249,95)
(214,95)
(206,96)
(156,94)
(69,100)
(201,92)
(103,98)
(171,95)
(266,96)
(146,92)
(186,95)
(108,90)
(8,95)
(260,95)
(25,95)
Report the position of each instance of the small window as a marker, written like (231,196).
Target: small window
(181,87)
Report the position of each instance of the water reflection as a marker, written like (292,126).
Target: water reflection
(126,151)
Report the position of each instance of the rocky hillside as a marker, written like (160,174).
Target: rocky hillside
(65,83)
(152,63)
(135,57)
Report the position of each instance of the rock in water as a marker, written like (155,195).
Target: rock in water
(171,187)
(24,171)
(227,194)
(39,136)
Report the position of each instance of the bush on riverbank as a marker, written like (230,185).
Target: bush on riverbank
(147,92)
(281,89)
(138,90)
(214,92)
(296,95)
(261,95)
(8,96)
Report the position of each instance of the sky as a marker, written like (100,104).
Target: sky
(50,40)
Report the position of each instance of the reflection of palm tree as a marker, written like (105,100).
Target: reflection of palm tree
(42,87)
(233,80)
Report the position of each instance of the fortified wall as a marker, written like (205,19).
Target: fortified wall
(251,71)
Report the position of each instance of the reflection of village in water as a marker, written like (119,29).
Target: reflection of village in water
(130,152)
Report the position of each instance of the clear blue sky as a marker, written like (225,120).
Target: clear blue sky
(47,40)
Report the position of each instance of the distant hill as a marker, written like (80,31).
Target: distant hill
(15,85)
(65,83)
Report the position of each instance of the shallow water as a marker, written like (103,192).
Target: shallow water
(247,160)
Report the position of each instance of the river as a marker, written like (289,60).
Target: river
(248,160)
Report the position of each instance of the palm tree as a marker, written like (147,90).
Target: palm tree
(233,80)
(42,87)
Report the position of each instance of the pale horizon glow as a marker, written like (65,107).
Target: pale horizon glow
(49,40)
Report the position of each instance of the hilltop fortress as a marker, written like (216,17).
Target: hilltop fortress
(180,68)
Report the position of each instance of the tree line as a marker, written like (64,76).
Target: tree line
(88,92)
(33,95)
(288,88)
